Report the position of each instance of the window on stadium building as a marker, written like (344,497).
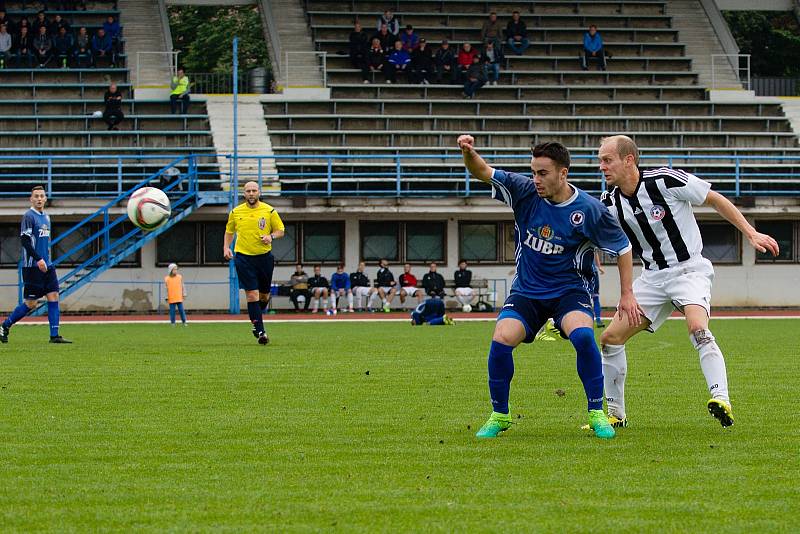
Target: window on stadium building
(323,242)
(786,234)
(179,245)
(72,244)
(478,242)
(9,245)
(213,234)
(721,243)
(380,239)
(285,249)
(425,241)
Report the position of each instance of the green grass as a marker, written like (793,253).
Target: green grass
(370,426)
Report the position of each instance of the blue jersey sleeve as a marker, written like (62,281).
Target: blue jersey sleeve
(512,188)
(602,228)
(28,224)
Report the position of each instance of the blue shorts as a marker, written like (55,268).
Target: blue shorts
(254,272)
(533,313)
(37,283)
(427,310)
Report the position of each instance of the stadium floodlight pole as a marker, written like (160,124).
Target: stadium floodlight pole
(233,284)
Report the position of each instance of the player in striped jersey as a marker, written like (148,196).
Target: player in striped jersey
(654,208)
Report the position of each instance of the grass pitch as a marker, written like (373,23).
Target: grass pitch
(370,426)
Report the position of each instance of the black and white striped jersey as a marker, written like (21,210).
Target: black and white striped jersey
(658,218)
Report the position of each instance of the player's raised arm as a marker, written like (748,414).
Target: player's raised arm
(723,206)
(475,164)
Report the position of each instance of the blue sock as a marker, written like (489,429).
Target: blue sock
(53,317)
(18,313)
(597,308)
(254,311)
(590,366)
(436,320)
(501,371)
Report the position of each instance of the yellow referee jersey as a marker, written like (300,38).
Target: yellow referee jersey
(249,224)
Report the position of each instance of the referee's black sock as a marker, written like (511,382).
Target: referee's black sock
(254,312)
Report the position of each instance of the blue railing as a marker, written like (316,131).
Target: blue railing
(376,175)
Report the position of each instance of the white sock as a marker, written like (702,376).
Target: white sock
(615,367)
(385,303)
(333,302)
(314,305)
(350,300)
(712,363)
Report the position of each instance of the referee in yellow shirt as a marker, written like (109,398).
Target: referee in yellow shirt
(255,224)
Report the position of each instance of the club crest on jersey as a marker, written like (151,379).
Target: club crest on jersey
(576,218)
(546,232)
(262,223)
(657,212)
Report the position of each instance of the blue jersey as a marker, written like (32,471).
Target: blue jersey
(36,226)
(428,310)
(555,242)
(340,281)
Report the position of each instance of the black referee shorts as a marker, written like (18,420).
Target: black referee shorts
(254,272)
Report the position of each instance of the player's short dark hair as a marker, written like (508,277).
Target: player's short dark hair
(462,260)
(37,188)
(553,150)
(318,266)
(340,266)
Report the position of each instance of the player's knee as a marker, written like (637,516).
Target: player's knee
(612,337)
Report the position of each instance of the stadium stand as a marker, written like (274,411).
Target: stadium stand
(52,111)
(650,92)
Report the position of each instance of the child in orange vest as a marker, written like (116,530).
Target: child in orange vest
(175,293)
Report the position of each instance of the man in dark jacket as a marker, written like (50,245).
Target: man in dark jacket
(517,34)
(475,77)
(433,282)
(359,45)
(318,285)
(299,293)
(113,113)
(422,69)
(387,287)
(463,281)
(362,287)
(445,63)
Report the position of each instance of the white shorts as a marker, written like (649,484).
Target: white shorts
(411,291)
(317,291)
(464,291)
(659,293)
(386,289)
(361,291)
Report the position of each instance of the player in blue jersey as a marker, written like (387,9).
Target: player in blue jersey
(430,311)
(557,227)
(38,274)
(340,287)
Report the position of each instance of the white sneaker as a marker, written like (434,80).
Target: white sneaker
(389,81)
(366,81)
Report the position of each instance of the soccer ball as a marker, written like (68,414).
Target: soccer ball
(467,308)
(148,208)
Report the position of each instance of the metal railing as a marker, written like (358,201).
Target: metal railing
(297,74)
(399,175)
(155,63)
(740,64)
(218,82)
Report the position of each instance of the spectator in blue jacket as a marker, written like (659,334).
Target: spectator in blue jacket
(593,49)
(114,30)
(398,61)
(102,47)
(340,287)
(409,39)
(62,45)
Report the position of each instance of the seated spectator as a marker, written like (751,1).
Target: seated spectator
(517,34)
(376,59)
(492,58)
(5,46)
(432,312)
(58,23)
(299,293)
(445,63)
(422,67)
(112,28)
(475,77)
(23,48)
(397,62)
(179,97)
(408,285)
(409,39)
(392,24)
(491,31)
(359,283)
(113,113)
(465,60)
(43,47)
(387,287)
(593,49)
(83,49)
(63,47)
(386,38)
(23,23)
(318,285)
(39,21)
(359,46)
(433,282)
(463,282)
(5,21)
(102,48)
(340,287)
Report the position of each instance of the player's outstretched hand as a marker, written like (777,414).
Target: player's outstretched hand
(630,310)
(466,143)
(763,243)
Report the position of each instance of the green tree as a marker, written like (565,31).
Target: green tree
(772,39)
(204,34)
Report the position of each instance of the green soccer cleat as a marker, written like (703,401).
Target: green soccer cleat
(599,423)
(721,410)
(614,421)
(497,423)
(448,320)
(550,328)
(544,336)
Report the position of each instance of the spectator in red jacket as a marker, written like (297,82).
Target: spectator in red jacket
(408,285)
(464,60)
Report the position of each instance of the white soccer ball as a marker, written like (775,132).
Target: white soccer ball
(467,308)
(148,208)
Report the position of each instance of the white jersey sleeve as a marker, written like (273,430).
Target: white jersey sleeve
(682,185)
